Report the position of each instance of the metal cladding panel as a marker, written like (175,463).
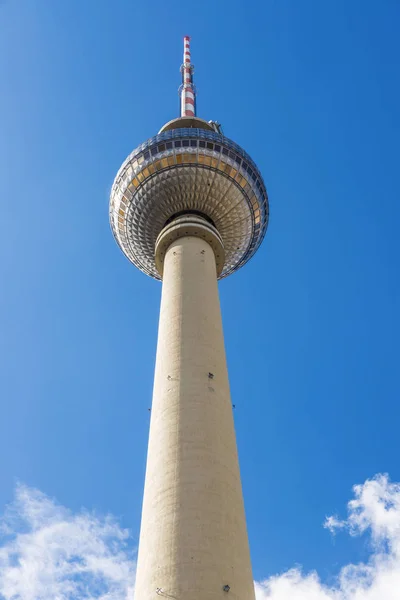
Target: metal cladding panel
(188,169)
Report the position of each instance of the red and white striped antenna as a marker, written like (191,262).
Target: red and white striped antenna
(187,89)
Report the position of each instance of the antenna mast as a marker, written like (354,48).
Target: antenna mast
(187,89)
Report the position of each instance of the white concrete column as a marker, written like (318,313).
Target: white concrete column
(193,538)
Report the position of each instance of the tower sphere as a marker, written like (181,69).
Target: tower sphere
(189,167)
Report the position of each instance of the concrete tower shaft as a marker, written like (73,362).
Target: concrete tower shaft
(193,538)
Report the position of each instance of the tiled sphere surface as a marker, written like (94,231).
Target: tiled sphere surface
(183,170)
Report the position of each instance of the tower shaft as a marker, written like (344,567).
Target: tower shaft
(193,538)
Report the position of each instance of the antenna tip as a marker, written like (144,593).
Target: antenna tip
(186,37)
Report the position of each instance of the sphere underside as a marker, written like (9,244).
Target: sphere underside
(188,170)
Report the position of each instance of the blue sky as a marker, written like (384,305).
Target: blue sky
(311,90)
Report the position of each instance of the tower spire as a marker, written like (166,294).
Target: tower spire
(187,89)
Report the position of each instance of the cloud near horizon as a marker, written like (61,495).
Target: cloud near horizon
(49,553)
(375,509)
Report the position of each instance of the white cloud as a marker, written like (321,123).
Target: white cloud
(375,509)
(48,553)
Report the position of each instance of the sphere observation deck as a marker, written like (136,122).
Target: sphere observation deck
(188,170)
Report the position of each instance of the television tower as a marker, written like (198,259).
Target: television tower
(189,207)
